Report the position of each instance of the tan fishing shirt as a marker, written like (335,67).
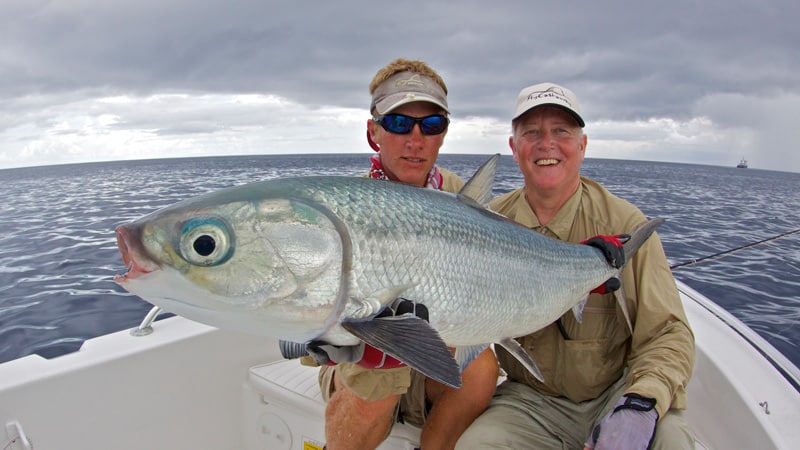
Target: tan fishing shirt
(588,357)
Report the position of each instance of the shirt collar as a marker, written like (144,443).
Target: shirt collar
(561,224)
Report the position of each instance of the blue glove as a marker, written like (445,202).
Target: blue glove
(631,425)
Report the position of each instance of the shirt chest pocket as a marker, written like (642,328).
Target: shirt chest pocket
(599,320)
(592,352)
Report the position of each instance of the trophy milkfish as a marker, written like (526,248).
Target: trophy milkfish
(318,257)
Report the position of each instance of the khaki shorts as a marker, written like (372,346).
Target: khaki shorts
(375,384)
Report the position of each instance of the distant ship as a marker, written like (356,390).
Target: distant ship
(742,164)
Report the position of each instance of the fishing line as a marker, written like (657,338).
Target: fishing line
(727,252)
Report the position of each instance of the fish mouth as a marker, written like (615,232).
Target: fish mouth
(131,255)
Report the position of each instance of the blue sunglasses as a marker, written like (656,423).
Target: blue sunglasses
(400,124)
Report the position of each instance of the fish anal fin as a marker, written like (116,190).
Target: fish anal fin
(522,356)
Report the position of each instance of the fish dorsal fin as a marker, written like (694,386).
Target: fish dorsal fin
(412,341)
(479,187)
(522,356)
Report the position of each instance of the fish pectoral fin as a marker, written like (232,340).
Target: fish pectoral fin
(465,355)
(522,356)
(412,341)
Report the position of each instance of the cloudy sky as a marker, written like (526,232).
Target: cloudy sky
(705,82)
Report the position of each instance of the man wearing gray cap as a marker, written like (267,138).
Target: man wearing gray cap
(616,380)
(368,390)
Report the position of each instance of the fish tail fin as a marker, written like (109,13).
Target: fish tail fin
(630,247)
(639,236)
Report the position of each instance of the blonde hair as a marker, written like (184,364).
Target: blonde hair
(405,65)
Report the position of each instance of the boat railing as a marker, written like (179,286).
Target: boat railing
(146,327)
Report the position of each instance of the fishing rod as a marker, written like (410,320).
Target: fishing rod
(727,252)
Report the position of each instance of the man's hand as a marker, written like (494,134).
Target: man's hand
(363,354)
(611,246)
(630,425)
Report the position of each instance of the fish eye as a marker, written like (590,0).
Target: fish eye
(206,242)
(204,245)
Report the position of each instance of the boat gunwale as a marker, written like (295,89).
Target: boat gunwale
(777,359)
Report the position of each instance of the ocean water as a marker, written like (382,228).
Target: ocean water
(58,252)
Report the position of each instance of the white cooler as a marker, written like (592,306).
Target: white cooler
(283,410)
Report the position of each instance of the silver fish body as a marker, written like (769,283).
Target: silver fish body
(296,258)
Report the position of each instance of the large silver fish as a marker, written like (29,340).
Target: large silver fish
(317,258)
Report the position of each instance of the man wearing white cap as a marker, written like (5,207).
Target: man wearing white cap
(616,380)
(368,390)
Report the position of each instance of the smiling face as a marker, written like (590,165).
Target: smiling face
(549,147)
(408,158)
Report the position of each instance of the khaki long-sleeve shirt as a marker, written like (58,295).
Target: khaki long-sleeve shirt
(582,360)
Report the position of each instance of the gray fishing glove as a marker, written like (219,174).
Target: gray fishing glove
(324,353)
(631,425)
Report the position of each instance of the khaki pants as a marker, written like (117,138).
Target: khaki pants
(519,417)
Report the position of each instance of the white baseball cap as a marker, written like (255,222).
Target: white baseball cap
(548,94)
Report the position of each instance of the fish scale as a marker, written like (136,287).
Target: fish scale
(458,260)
